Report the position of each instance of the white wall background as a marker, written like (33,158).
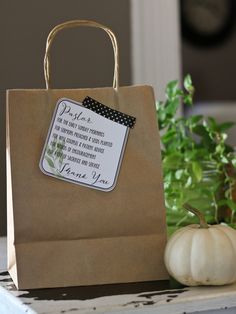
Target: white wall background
(155,30)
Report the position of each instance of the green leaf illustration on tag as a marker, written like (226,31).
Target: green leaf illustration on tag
(54,155)
(50,162)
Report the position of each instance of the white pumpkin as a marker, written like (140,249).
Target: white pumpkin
(201,254)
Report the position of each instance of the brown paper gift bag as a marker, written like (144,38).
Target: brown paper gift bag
(62,234)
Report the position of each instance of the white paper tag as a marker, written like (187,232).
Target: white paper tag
(83,147)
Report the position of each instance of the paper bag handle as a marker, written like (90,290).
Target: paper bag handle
(78,23)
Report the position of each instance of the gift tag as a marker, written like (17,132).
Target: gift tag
(86,143)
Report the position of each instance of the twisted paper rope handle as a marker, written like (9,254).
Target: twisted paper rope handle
(78,23)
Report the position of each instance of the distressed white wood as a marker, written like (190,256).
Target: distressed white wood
(9,304)
(187,300)
(155,43)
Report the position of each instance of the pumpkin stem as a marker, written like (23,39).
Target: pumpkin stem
(196,212)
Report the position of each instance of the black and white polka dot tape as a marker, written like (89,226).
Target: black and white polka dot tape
(109,113)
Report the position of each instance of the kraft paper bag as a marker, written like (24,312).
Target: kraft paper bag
(64,234)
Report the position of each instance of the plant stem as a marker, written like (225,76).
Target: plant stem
(232,217)
(181,220)
(196,212)
(216,208)
(231,198)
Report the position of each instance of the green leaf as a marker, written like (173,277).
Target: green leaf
(171,89)
(219,149)
(201,130)
(224,136)
(197,170)
(172,161)
(189,154)
(179,173)
(50,162)
(189,182)
(233,161)
(212,124)
(232,205)
(224,160)
(172,106)
(168,136)
(188,100)
(193,120)
(161,116)
(225,126)
(188,83)
(159,104)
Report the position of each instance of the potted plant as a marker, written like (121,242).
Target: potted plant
(198,165)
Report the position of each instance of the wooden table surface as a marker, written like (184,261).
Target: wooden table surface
(136,298)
